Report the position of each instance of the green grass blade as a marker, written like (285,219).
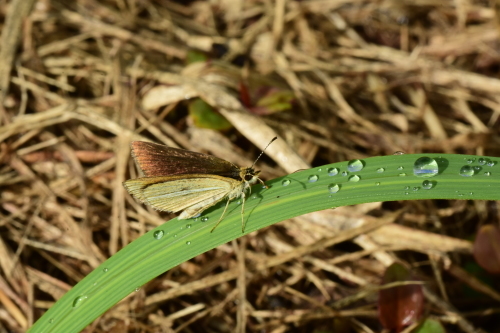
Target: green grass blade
(289,196)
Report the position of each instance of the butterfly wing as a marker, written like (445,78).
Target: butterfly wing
(176,193)
(159,160)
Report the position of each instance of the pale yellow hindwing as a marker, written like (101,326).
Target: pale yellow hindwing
(199,207)
(176,193)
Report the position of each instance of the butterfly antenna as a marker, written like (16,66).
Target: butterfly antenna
(262,152)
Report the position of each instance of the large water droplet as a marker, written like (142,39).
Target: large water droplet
(425,167)
(334,188)
(355,165)
(333,171)
(354,178)
(79,300)
(312,178)
(481,161)
(158,234)
(466,171)
(285,182)
(491,163)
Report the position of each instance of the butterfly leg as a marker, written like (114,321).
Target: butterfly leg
(242,212)
(264,184)
(220,219)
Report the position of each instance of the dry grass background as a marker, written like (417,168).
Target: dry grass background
(370,77)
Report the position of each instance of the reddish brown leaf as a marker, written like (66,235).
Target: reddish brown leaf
(245,98)
(399,306)
(487,248)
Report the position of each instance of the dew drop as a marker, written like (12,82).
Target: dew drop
(188,226)
(487,173)
(466,171)
(105,270)
(380,170)
(333,171)
(137,289)
(490,163)
(477,168)
(79,300)
(354,178)
(355,165)
(158,234)
(319,170)
(399,153)
(400,167)
(471,160)
(425,167)
(402,174)
(427,184)
(416,188)
(51,320)
(407,188)
(312,178)
(285,182)
(334,188)
(481,161)
(204,219)
(188,243)
(377,183)
(344,173)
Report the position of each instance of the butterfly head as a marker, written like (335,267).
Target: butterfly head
(249,175)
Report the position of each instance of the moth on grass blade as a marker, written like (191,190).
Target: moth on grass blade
(181,180)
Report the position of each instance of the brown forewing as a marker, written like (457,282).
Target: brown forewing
(159,160)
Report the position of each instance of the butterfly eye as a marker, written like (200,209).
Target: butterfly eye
(249,177)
